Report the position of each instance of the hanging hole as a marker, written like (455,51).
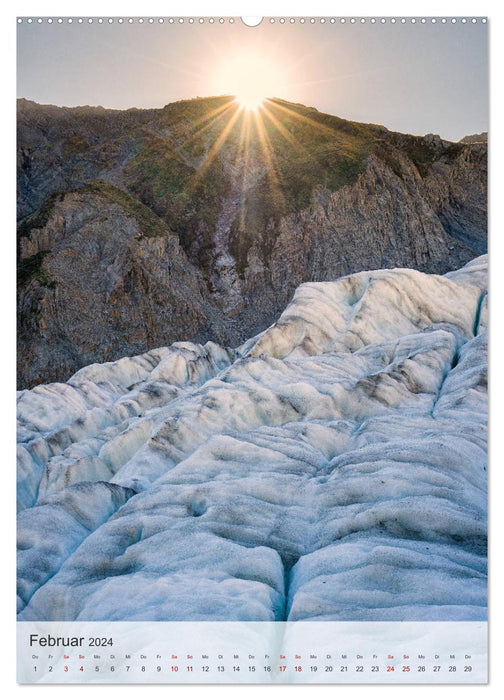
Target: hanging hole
(252,21)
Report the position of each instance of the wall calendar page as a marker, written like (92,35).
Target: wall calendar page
(252,365)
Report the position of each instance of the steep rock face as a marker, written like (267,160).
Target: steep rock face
(103,276)
(332,467)
(382,220)
(259,206)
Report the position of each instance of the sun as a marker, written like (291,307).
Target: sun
(250,100)
(251,77)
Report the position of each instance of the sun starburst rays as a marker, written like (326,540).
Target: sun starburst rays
(269,157)
(215,148)
(249,135)
(209,121)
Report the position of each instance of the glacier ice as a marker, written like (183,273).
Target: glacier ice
(332,467)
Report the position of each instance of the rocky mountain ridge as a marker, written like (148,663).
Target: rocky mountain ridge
(139,227)
(475,138)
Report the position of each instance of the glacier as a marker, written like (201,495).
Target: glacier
(332,467)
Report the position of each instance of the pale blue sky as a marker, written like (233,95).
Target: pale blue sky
(415,78)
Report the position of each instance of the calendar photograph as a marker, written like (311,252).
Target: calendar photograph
(252,349)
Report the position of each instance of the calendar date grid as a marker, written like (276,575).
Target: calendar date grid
(249,664)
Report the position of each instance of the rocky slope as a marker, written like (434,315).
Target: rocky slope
(331,468)
(140,227)
(475,138)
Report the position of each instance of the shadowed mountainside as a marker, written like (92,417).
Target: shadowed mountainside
(199,220)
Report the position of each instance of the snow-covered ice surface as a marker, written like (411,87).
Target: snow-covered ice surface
(331,468)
